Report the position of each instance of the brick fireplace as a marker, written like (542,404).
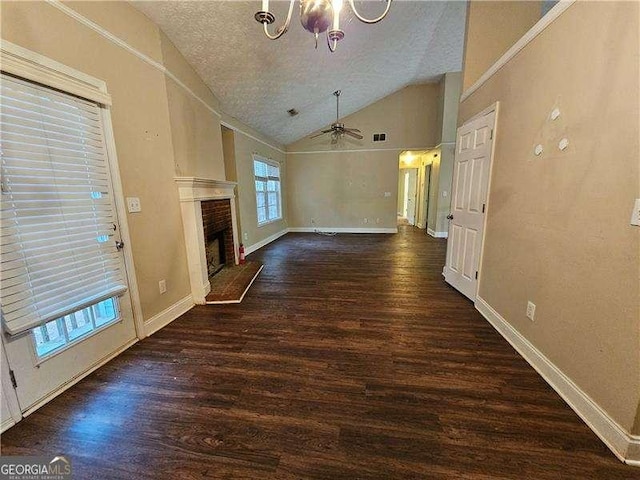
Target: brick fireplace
(210,232)
(218,234)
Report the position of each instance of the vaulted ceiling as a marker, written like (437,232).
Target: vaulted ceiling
(258,80)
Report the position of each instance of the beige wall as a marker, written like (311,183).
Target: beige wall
(492,28)
(341,188)
(195,128)
(558,230)
(409,117)
(450,98)
(241,147)
(146,106)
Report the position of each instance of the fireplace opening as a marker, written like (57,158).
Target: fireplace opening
(215,253)
(218,235)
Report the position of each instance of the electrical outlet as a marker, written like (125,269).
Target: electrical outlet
(377,220)
(134,205)
(387,194)
(366,220)
(531,311)
(313,222)
(162,286)
(245,236)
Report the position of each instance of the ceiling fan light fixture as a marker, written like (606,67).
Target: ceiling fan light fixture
(315,16)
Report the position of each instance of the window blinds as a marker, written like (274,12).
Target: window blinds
(57,217)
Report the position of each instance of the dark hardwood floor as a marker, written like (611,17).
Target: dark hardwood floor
(349,358)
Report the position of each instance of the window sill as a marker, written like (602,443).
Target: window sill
(269,222)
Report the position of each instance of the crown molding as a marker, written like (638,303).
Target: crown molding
(122,44)
(551,16)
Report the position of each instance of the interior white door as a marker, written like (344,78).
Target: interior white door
(468,201)
(411,191)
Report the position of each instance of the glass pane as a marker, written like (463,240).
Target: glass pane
(104,312)
(272,186)
(273,212)
(260,199)
(78,323)
(51,336)
(48,337)
(260,169)
(262,214)
(273,200)
(261,186)
(273,171)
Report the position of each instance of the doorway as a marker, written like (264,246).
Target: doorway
(409,180)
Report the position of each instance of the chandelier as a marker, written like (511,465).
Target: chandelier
(316,17)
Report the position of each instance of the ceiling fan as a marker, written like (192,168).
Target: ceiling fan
(337,129)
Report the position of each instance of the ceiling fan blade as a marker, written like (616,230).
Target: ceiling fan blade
(353,134)
(321,133)
(353,130)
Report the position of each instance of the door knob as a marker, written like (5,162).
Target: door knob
(449,217)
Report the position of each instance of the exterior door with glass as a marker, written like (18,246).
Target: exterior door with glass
(66,306)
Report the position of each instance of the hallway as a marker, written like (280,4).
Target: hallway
(349,358)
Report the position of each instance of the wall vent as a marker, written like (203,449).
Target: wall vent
(379,137)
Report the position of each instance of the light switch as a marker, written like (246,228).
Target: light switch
(387,194)
(635,215)
(133,205)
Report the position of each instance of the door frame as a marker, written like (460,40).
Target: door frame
(491,108)
(495,107)
(34,66)
(427,194)
(9,394)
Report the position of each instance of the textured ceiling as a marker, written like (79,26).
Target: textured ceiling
(258,80)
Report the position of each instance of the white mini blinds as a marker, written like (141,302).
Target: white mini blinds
(58,218)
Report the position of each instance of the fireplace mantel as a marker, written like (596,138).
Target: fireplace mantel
(192,191)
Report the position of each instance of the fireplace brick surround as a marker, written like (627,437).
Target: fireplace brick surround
(200,197)
(216,219)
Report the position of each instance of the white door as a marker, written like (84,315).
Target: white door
(410,191)
(41,140)
(468,203)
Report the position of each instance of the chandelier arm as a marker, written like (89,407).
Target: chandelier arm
(366,20)
(282,30)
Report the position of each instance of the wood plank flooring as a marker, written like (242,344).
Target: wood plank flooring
(349,358)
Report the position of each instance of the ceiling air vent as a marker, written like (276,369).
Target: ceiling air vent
(379,137)
(292,112)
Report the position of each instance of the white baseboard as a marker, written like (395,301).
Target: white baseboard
(7,424)
(168,315)
(435,234)
(624,445)
(266,241)
(342,230)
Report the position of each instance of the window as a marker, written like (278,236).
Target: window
(60,266)
(56,334)
(268,200)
